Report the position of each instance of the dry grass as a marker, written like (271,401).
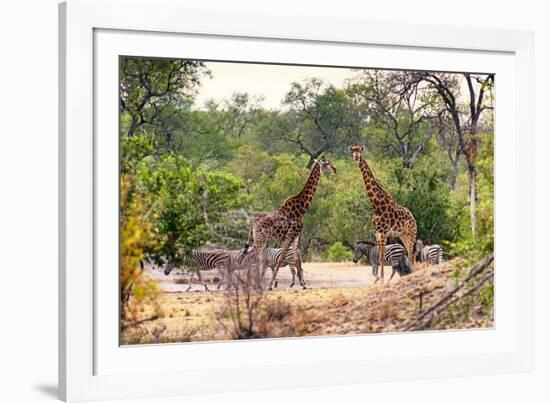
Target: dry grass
(195,316)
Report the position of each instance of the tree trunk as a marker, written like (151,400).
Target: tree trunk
(454,174)
(133,127)
(473,199)
(455,160)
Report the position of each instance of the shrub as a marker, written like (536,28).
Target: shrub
(337,252)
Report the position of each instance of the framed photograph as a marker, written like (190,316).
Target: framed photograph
(275,202)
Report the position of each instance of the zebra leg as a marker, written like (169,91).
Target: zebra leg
(394,269)
(200,280)
(293,272)
(190,279)
(222,274)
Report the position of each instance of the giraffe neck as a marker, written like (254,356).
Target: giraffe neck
(375,192)
(304,198)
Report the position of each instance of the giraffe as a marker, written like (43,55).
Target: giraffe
(285,224)
(389,218)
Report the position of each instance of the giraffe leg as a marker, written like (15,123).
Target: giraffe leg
(381,240)
(190,279)
(409,245)
(276,281)
(286,245)
(298,263)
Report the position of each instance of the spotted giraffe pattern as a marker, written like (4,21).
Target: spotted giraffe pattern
(389,218)
(285,224)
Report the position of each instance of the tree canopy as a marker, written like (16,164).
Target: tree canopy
(195,175)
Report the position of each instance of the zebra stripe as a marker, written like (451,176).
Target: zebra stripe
(432,254)
(271,255)
(203,259)
(394,255)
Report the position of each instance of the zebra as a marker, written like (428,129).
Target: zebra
(203,259)
(431,254)
(395,255)
(271,255)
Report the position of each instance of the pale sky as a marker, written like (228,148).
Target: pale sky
(270,81)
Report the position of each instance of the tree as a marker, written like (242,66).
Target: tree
(466,120)
(150,87)
(189,204)
(237,113)
(448,141)
(324,118)
(397,105)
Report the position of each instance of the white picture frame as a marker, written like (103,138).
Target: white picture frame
(91,363)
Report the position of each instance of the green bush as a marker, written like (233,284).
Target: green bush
(337,252)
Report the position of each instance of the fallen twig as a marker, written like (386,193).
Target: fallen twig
(424,319)
(124,326)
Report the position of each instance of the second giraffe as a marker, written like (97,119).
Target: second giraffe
(389,218)
(285,224)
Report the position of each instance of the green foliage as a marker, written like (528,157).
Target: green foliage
(424,191)
(188,203)
(337,252)
(202,172)
(202,139)
(465,245)
(149,88)
(136,238)
(326,119)
(133,150)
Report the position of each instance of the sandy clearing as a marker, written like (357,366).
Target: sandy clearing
(317,275)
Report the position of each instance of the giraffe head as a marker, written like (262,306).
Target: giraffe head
(356,151)
(326,165)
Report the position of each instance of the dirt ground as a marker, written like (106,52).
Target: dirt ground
(341,298)
(317,275)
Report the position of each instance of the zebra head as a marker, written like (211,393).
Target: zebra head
(404,267)
(169,267)
(362,248)
(356,151)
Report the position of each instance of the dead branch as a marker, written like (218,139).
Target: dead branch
(424,319)
(133,323)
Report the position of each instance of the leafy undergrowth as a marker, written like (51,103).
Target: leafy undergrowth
(393,307)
